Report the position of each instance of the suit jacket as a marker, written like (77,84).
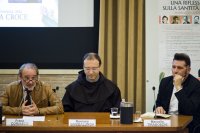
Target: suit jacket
(188,97)
(43,96)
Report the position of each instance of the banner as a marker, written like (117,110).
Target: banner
(178,32)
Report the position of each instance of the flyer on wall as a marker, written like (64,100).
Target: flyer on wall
(178,32)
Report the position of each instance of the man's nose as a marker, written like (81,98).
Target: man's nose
(30,82)
(90,71)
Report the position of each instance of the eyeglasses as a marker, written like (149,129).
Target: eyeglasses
(28,79)
(91,69)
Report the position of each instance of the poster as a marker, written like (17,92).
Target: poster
(28,13)
(178,32)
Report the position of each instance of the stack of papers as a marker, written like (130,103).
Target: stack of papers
(150,115)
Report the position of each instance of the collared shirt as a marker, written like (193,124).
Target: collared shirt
(173,106)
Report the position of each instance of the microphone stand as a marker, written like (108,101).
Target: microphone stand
(154,88)
(56,111)
(57,88)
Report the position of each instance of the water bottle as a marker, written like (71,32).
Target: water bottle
(126,113)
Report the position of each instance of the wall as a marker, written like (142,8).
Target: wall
(55,78)
(152,74)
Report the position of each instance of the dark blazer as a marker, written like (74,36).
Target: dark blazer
(188,97)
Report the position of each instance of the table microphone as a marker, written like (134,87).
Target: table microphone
(154,88)
(56,102)
(57,88)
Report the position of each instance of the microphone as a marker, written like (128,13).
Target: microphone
(199,73)
(56,102)
(57,88)
(154,88)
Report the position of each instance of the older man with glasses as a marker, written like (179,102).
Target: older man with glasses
(91,92)
(29,96)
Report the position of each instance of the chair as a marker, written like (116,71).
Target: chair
(197,129)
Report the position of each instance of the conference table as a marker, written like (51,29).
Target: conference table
(59,123)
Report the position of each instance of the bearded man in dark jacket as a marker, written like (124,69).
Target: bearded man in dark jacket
(91,92)
(180,92)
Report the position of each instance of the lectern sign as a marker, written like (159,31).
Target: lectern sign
(82,122)
(19,122)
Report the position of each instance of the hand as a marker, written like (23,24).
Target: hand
(177,81)
(160,110)
(30,109)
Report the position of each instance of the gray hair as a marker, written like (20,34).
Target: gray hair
(28,65)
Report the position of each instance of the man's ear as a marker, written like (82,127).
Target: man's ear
(189,69)
(20,76)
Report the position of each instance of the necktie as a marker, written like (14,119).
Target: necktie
(28,97)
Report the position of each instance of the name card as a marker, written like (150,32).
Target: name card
(19,122)
(82,122)
(34,118)
(157,123)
